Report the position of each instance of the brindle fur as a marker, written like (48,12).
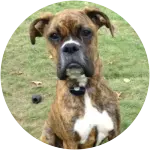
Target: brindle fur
(66,108)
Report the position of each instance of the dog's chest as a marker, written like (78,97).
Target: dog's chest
(93,118)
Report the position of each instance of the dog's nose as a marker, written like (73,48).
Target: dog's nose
(70,48)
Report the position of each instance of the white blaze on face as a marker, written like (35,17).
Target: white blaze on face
(70,41)
(91,119)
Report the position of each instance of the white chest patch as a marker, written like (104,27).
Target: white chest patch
(93,118)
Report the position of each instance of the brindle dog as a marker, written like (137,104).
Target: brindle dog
(86,110)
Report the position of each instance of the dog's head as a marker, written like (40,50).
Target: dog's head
(71,36)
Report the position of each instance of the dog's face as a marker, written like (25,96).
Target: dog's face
(71,37)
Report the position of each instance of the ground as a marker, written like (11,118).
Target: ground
(124,60)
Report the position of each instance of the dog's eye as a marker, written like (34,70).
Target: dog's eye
(54,37)
(86,32)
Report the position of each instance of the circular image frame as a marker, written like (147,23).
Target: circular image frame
(124,80)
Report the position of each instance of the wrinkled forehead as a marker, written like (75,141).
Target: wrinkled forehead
(69,20)
(75,16)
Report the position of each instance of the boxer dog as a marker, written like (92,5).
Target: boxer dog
(86,110)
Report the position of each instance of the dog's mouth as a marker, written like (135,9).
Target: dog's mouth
(76,79)
(76,75)
(74,66)
(74,70)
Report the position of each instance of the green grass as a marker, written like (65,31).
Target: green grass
(123,57)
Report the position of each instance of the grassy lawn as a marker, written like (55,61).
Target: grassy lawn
(123,57)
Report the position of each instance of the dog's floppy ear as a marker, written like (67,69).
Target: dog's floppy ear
(37,26)
(99,18)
